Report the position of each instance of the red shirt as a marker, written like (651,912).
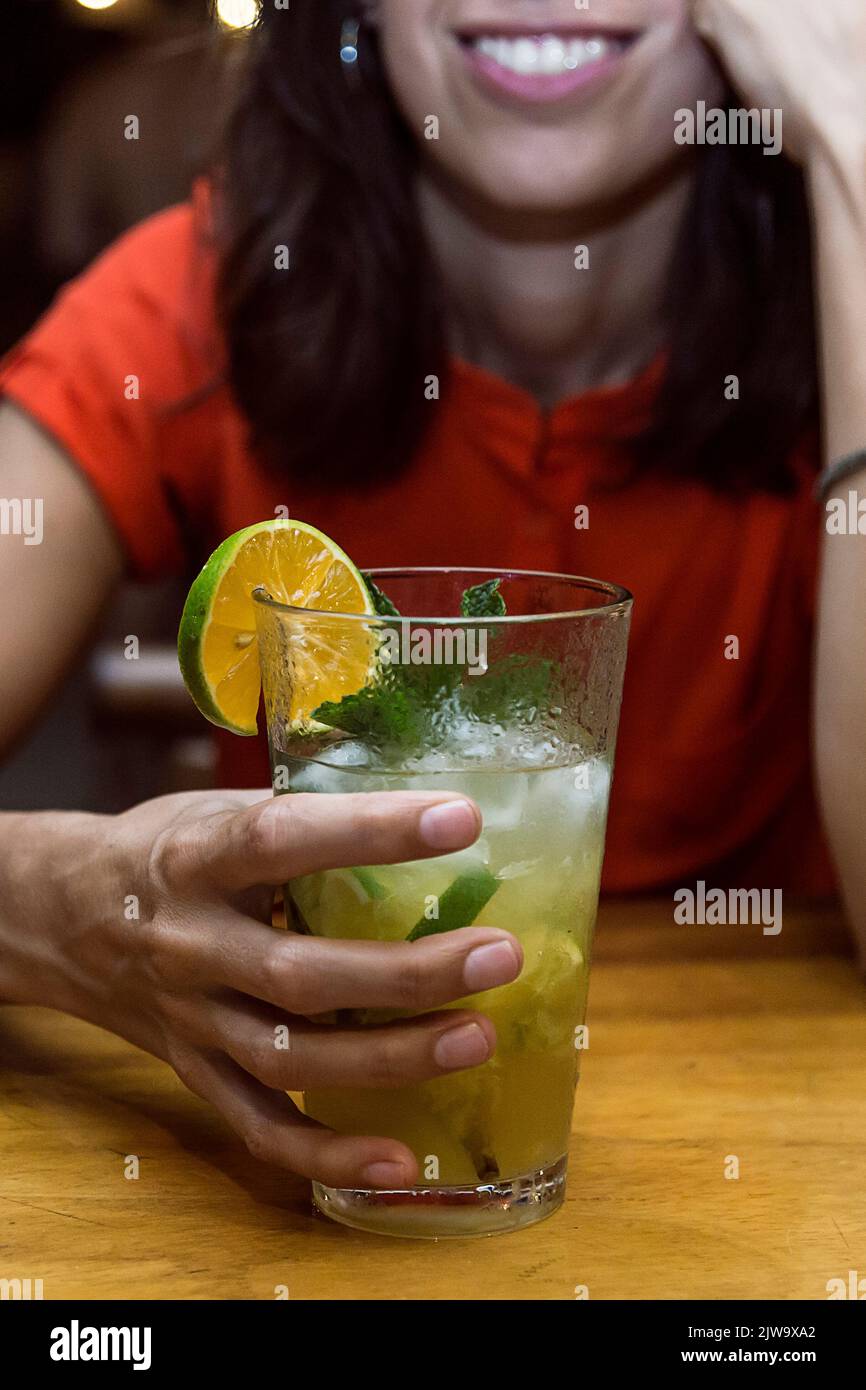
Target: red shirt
(712,774)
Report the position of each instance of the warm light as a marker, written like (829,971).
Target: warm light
(237,14)
(96,4)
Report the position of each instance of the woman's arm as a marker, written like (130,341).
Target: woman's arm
(53,587)
(837,175)
(809,60)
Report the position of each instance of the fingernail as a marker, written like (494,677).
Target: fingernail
(384,1175)
(465,1046)
(497,963)
(448,825)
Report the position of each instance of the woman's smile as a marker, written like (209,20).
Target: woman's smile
(541,107)
(539,65)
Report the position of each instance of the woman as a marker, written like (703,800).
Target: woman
(458,293)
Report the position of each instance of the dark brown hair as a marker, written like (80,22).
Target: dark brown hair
(329,359)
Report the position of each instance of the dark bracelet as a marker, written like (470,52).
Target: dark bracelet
(837,472)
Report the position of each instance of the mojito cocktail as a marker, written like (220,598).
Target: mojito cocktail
(515,707)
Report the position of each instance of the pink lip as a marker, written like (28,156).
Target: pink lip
(535,87)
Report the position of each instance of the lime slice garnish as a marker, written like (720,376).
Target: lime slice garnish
(217,641)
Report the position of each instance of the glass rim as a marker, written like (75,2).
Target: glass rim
(619,599)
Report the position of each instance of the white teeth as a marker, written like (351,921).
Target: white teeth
(552,55)
(547,55)
(526,54)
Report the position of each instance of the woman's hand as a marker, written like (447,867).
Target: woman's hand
(155,925)
(804,57)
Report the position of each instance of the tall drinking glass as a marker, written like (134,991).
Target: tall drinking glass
(518,712)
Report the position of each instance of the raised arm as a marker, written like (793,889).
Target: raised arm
(809,60)
(838,178)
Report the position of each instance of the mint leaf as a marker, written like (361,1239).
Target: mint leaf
(410,706)
(378,713)
(483,601)
(510,690)
(370,883)
(381,602)
(400,708)
(460,904)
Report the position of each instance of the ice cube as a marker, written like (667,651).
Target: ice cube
(304,777)
(348,753)
(518,869)
(503,803)
(570,797)
(312,776)
(538,753)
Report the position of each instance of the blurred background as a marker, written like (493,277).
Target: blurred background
(70,72)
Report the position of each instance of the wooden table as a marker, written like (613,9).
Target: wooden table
(705,1043)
